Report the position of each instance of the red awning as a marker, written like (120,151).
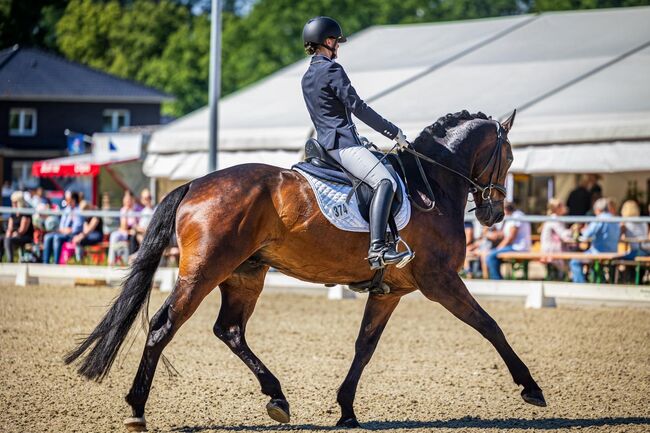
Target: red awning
(71,166)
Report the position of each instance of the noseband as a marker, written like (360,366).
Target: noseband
(476,187)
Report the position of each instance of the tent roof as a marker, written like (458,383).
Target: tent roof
(571,77)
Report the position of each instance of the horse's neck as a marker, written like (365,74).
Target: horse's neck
(450,190)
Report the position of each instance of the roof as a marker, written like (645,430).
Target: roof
(32,74)
(571,78)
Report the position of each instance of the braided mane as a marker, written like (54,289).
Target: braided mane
(439,127)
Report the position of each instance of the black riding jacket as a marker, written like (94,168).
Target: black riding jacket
(331,100)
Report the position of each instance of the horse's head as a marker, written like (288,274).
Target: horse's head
(493,157)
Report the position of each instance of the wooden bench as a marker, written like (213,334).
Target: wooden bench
(642,263)
(525,257)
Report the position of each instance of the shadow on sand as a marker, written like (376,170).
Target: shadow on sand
(465,422)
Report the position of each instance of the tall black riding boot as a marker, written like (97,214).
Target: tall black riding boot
(380,253)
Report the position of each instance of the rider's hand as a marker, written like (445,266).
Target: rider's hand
(400,138)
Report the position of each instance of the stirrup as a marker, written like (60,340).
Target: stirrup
(406,259)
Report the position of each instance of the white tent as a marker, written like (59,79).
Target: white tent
(576,77)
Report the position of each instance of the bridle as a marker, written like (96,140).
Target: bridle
(485,190)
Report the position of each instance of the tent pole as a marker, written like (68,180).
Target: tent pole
(215,82)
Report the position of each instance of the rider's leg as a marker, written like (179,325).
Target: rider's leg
(362,164)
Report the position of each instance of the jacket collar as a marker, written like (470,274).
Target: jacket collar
(320,58)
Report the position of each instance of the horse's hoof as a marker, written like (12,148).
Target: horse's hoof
(135,424)
(534,397)
(348,423)
(278,410)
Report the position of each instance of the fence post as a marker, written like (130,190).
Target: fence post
(537,299)
(340,292)
(22,276)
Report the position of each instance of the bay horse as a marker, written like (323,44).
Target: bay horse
(233,224)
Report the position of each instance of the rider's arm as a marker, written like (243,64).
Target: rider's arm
(340,83)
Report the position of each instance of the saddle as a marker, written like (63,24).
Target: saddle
(319,164)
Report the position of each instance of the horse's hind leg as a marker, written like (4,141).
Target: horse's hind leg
(239,293)
(175,311)
(455,297)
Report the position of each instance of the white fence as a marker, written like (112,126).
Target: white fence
(538,294)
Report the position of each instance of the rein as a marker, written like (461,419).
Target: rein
(486,190)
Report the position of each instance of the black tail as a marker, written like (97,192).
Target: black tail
(104,342)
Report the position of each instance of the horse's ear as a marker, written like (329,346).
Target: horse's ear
(507,124)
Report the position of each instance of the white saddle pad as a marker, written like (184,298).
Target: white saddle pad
(346,216)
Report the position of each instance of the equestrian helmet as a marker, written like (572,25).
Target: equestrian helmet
(320,28)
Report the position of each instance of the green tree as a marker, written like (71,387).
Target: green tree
(183,67)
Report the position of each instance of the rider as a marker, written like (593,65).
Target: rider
(331,99)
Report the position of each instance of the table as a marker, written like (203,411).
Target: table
(525,256)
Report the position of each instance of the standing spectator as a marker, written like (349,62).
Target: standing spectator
(71,224)
(516,237)
(20,230)
(554,235)
(92,233)
(145,217)
(126,229)
(631,230)
(603,235)
(582,198)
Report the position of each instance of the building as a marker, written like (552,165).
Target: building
(43,95)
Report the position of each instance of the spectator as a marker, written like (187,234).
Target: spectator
(603,235)
(516,237)
(71,224)
(554,235)
(110,223)
(126,229)
(582,197)
(92,233)
(145,217)
(37,198)
(20,230)
(636,231)
(7,190)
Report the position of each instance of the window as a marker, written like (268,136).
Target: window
(22,122)
(113,120)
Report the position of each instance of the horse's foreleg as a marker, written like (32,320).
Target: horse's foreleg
(378,311)
(454,296)
(239,293)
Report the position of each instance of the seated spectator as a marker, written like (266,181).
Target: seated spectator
(20,230)
(92,233)
(126,229)
(71,224)
(554,235)
(145,217)
(36,198)
(634,230)
(516,237)
(603,236)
